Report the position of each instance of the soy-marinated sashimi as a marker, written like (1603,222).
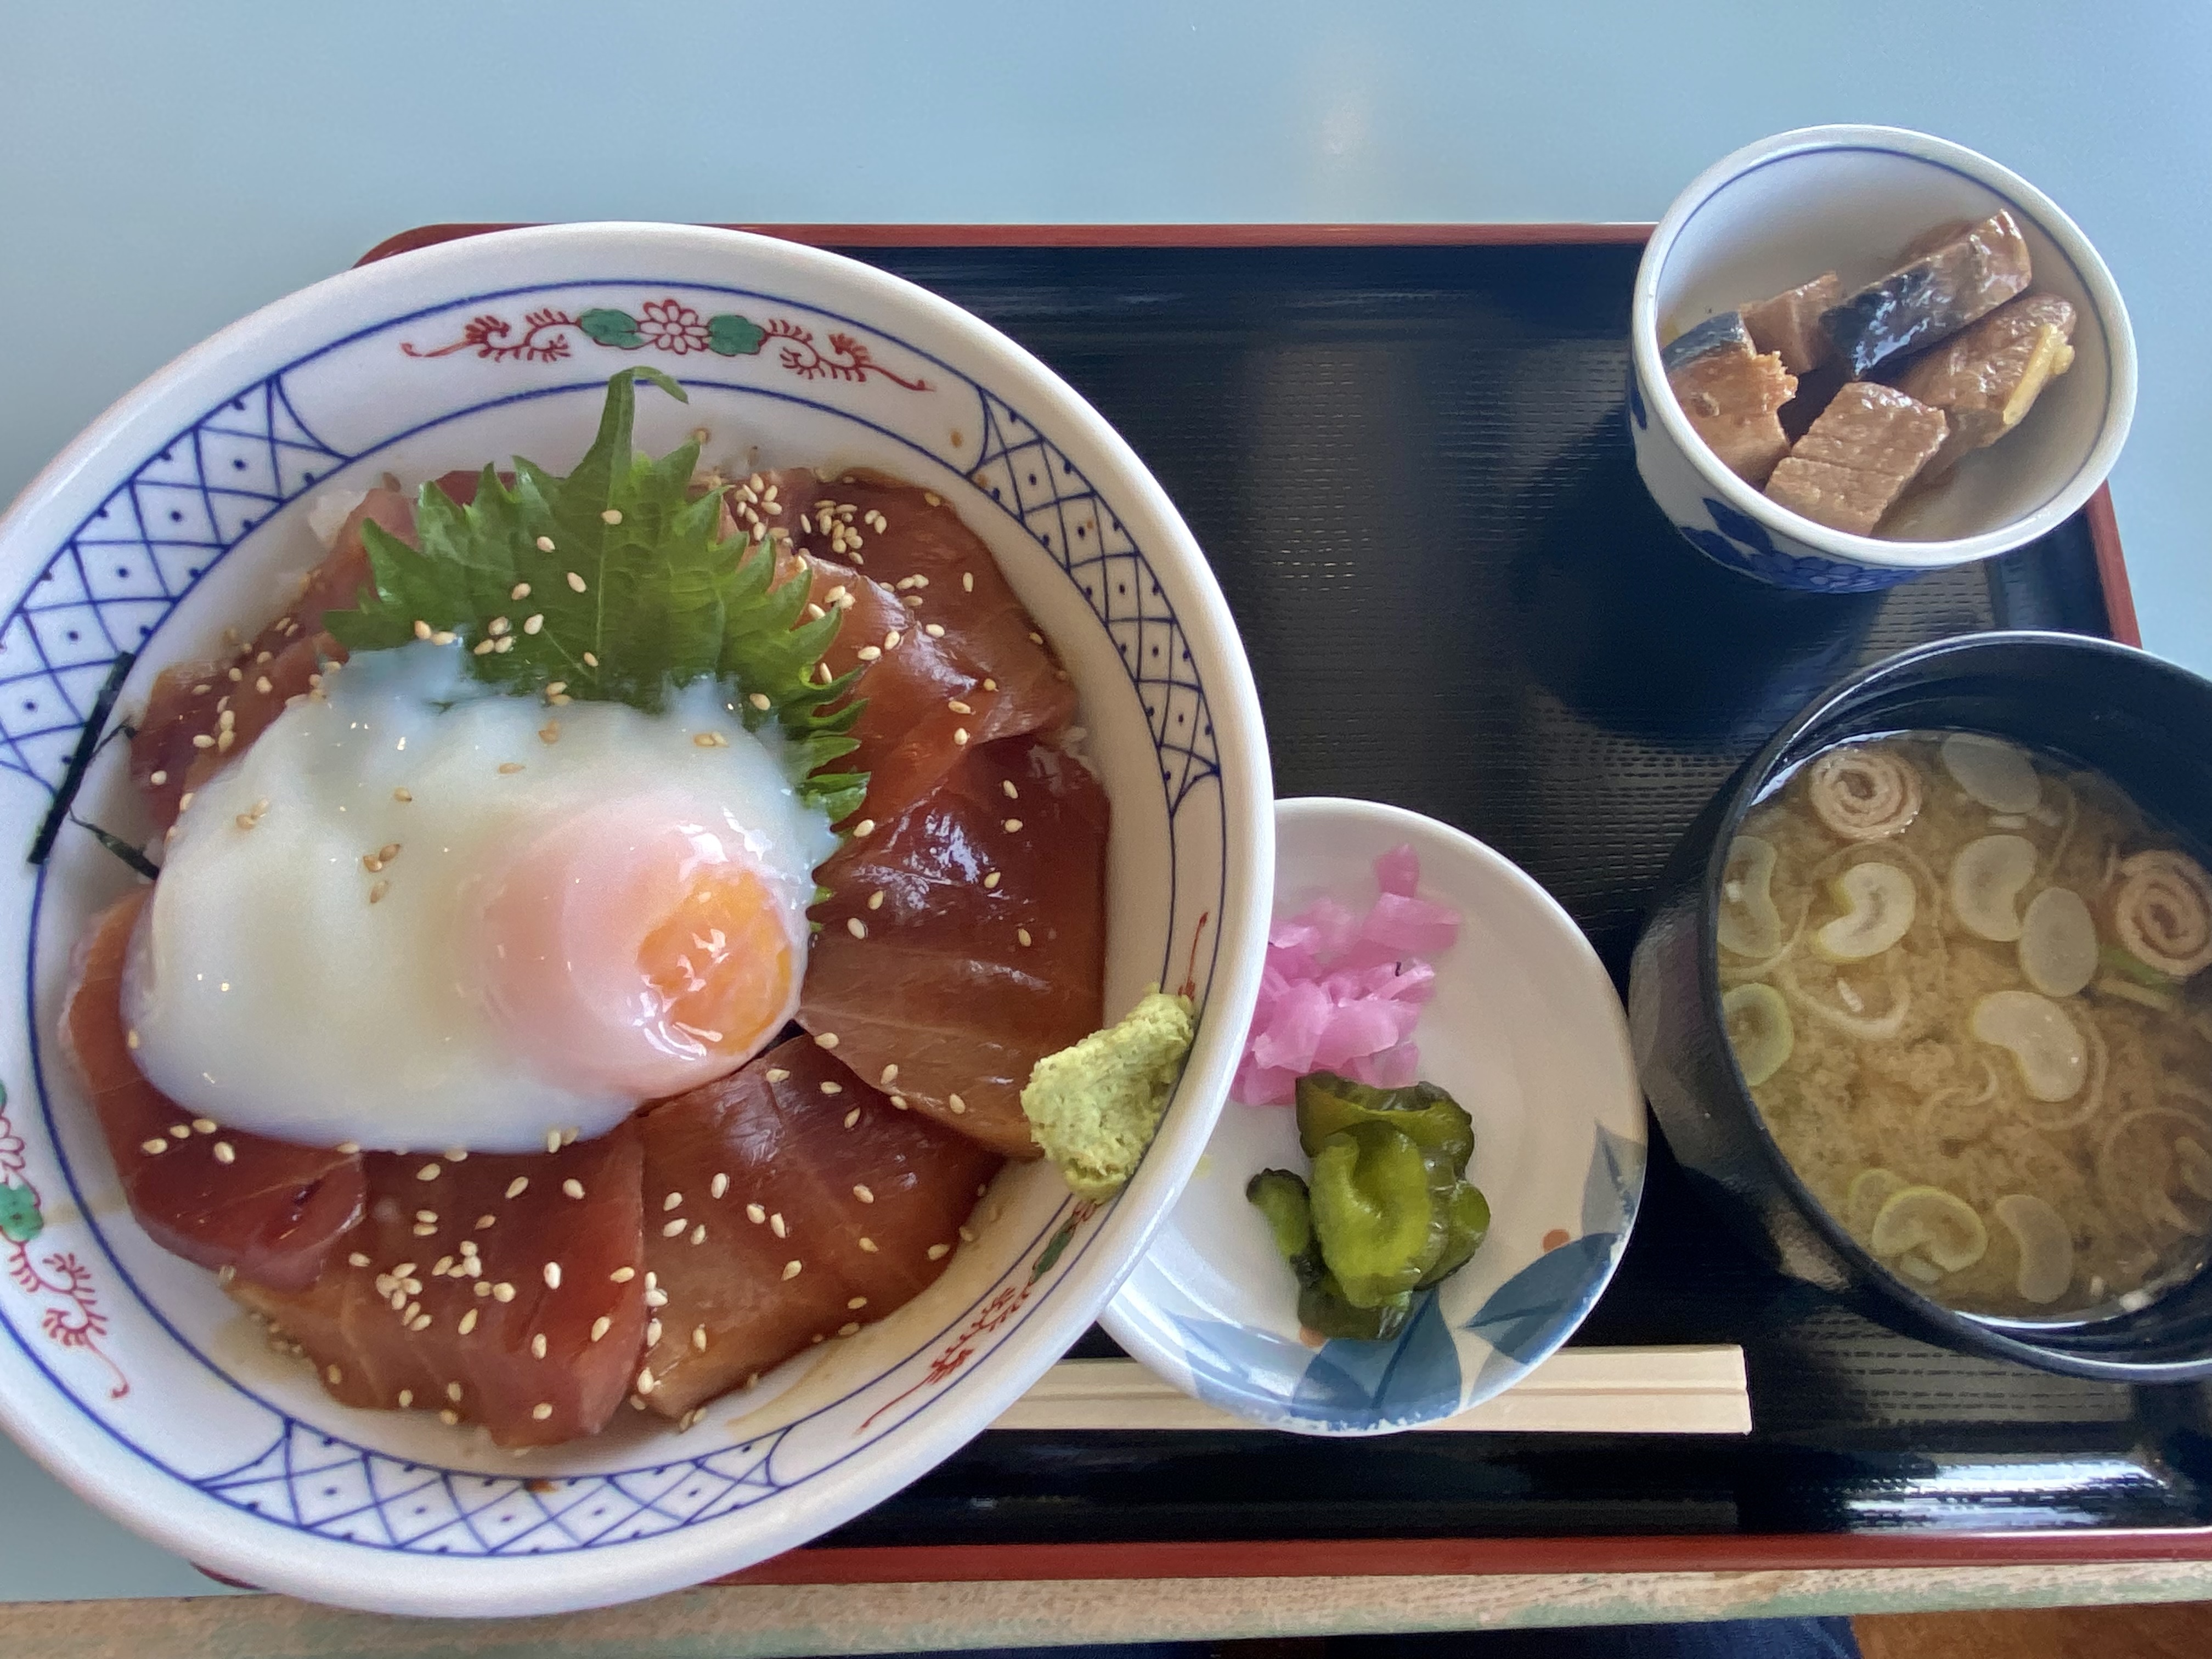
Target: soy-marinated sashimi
(964,941)
(199,715)
(504,1291)
(950,657)
(213,1195)
(786,1204)
(503,835)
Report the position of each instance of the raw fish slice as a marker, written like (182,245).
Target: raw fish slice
(936,980)
(219,1197)
(444,1314)
(779,1148)
(925,569)
(189,699)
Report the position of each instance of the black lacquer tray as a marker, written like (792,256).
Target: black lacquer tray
(1403,449)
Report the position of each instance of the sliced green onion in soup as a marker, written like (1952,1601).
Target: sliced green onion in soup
(1759,1029)
(2059,943)
(2044,1043)
(1986,878)
(1878,903)
(1995,774)
(2045,1245)
(1938,1225)
(1870,1189)
(1748,924)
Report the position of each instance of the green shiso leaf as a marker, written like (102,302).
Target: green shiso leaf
(638,593)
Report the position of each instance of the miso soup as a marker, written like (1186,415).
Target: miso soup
(1965,981)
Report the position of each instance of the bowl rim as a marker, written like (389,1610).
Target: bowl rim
(1136,1334)
(148,1500)
(2011,1339)
(1872,550)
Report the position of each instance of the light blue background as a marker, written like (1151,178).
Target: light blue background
(165,168)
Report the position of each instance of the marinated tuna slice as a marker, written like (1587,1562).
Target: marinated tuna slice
(1731,394)
(1858,456)
(499,1290)
(964,940)
(219,1197)
(788,1204)
(200,714)
(1788,324)
(1986,379)
(946,645)
(1936,294)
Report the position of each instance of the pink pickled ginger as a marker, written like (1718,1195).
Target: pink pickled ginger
(1342,992)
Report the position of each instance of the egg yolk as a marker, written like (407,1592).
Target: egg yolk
(720,963)
(633,949)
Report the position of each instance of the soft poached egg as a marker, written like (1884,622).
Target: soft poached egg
(415,916)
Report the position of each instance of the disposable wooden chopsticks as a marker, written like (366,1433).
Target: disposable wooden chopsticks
(1655,1390)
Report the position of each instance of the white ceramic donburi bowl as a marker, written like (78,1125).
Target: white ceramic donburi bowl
(177,512)
(1845,198)
(1527,1032)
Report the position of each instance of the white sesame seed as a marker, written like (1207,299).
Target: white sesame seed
(791,1269)
(544,543)
(335,1375)
(760,701)
(541,1410)
(717,1185)
(427,1172)
(1023,934)
(449,1416)
(552,1275)
(348,1148)
(966,1236)
(645,1379)
(674,1200)
(503,1291)
(776,1074)
(481,1288)
(867,1244)
(623,1275)
(535,621)
(155,1145)
(699,1338)
(356,1260)
(651,1333)
(537,1346)
(204,1126)
(1012,824)
(828,1088)
(573,1186)
(552,1141)
(1007,784)
(864,827)
(876,899)
(656,1298)
(852,1117)
(468,1323)
(509,768)
(426,1215)
(613,515)
(935,630)
(939,1252)
(866,653)
(406,1398)
(856,927)
(826,1040)
(421,632)
(959,736)
(158,779)
(699,1234)
(224,1152)
(775,1225)
(670,1229)
(454,1392)
(591,660)
(899,1102)
(850,1328)
(957,1104)
(990,880)
(576,582)
(600,1326)
(892,639)
(863,1195)
(958,707)
(180,1131)
(514,1187)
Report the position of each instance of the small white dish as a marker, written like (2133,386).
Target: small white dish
(1845,198)
(1527,1032)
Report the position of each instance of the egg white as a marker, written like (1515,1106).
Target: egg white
(267,992)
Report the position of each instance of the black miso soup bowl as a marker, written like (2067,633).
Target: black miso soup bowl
(2145,724)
